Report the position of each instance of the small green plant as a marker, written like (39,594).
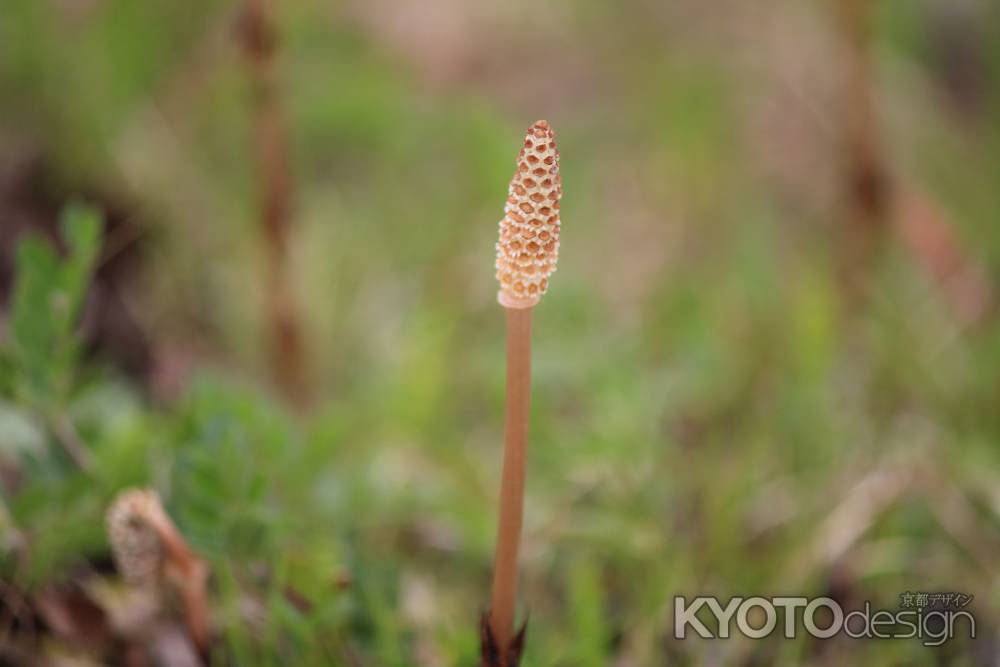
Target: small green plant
(42,347)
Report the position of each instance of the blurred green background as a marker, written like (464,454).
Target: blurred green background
(769,362)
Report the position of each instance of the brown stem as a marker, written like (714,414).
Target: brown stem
(190,574)
(876,200)
(867,185)
(518,400)
(868,178)
(274,186)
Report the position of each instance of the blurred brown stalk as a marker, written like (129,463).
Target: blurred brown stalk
(877,206)
(258,38)
(866,177)
(517,407)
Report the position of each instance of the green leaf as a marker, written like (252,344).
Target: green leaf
(33,321)
(47,298)
(80,226)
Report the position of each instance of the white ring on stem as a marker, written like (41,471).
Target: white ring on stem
(508,301)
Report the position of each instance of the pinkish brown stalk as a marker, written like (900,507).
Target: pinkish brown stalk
(272,164)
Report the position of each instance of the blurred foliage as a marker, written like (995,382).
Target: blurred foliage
(44,308)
